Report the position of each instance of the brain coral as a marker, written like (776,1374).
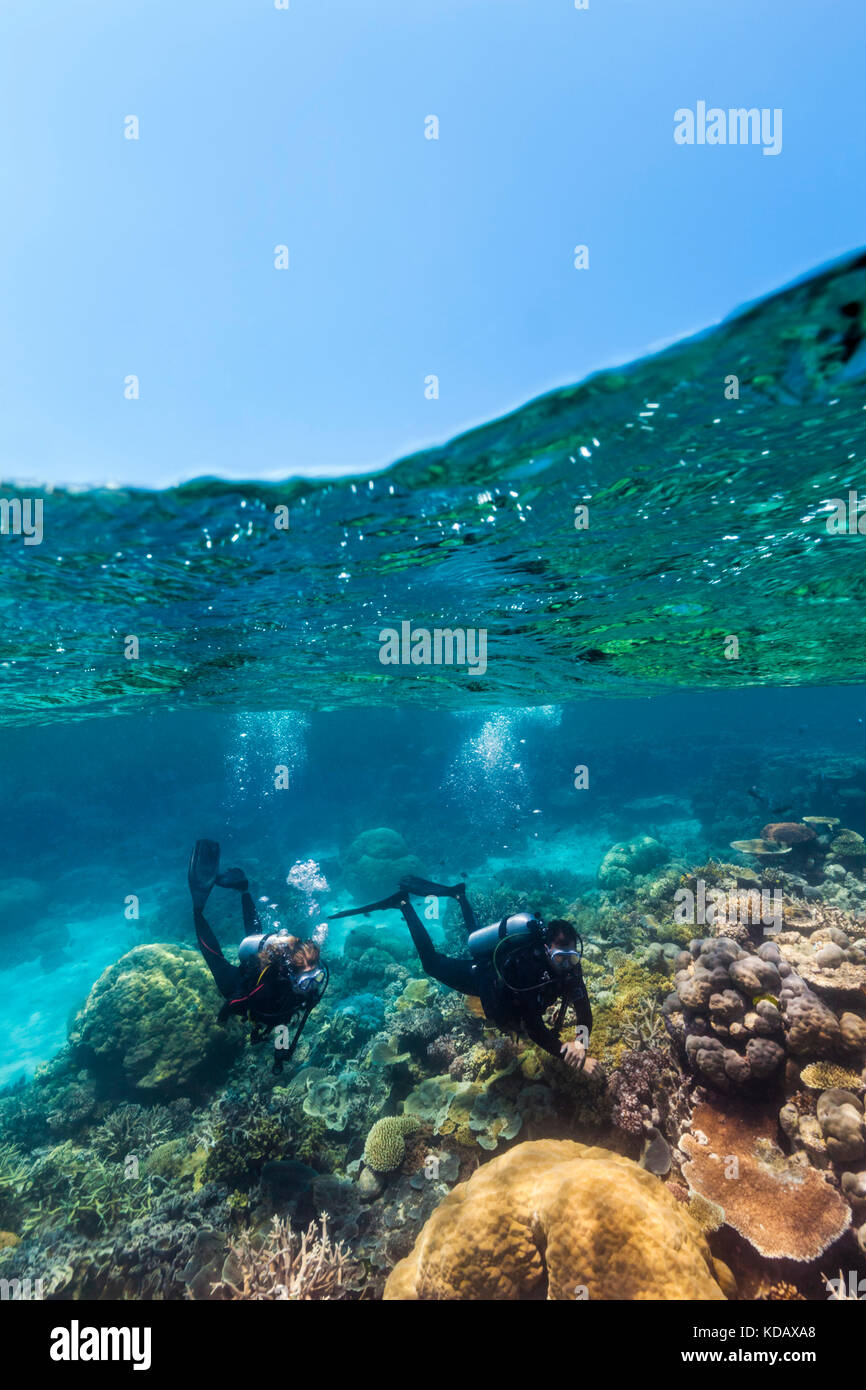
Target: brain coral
(149,1023)
(558,1220)
(385,1148)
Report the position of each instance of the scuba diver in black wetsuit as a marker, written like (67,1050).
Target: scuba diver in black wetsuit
(518,968)
(278,978)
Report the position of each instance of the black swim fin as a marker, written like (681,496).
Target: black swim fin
(424,887)
(233,878)
(394,901)
(204,866)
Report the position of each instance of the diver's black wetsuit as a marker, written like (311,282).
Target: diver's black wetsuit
(259,993)
(510,1009)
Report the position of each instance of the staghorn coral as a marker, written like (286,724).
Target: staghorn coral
(287,1267)
(131,1129)
(385,1147)
(646,1028)
(780,1292)
(780,1205)
(14,1171)
(73,1188)
(550,1219)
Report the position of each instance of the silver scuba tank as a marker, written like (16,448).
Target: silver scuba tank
(250,947)
(484,941)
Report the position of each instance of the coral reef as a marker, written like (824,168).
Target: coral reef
(411,1143)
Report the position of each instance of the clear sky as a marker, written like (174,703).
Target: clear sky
(408,256)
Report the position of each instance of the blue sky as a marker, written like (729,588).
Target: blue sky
(408,256)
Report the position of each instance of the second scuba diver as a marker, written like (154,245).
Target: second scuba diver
(278,980)
(518,968)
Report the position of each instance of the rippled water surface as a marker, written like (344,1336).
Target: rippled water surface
(707,517)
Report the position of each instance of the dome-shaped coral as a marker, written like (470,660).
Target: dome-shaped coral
(559,1220)
(377,860)
(628,859)
(150,1025)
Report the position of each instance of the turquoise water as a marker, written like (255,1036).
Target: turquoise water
(255,710)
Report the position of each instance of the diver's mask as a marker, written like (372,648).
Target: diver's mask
(311,984)
(564,961)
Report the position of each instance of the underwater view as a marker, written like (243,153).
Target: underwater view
(432,677)
(468,899)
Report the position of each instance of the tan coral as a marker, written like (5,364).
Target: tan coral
(558,1220)
(781,1206)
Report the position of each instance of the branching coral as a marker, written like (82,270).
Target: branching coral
(288,1267)
(72,1187)
(131,1129)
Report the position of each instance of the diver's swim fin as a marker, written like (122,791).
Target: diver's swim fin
(424,887)
(204,866)
(394,901)
(233,878)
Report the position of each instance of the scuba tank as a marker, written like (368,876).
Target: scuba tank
(519,929)
(250,947)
